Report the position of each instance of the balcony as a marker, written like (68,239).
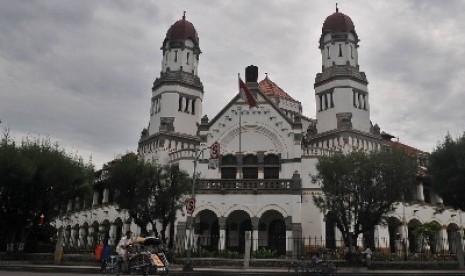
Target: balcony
(248,186)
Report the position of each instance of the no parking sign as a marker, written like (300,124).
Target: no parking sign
(190,205)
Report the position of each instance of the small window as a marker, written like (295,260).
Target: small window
(228,167)
(159,103)
(364,102)
(175,56)
(327,51)
(321,102)
(193,107)
(271,167)
(187,58)
(180,103)
(351,52)
(331,100)
(355,99)
(326,101)
(340,50)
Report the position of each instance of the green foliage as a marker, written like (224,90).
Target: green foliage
(149,192)
(447,171)
(35,178)
(359,188)
(264,253)
(227,254)
(427,231)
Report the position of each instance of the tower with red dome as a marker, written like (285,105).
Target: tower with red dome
(341,92)
(177,95)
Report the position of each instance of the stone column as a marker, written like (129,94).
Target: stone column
(254,236)
(95,198)
(222,239)
(289,236)
(382,238)
(90,237)
(106,193)
(442,244)
(112,234)
(82,237)
(403,243)
(420,194)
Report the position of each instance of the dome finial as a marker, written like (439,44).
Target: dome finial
(337,10)
(184,16)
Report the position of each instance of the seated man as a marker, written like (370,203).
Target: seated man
(122,248)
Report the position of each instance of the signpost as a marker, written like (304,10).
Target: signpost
(190,202)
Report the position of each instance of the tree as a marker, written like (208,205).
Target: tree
(35,178)
(447,171)
(172,186)
(135,182)
(359,188)
(148,192)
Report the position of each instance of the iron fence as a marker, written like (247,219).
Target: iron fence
(281,247)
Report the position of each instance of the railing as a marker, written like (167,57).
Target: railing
(275,247)
(258,185)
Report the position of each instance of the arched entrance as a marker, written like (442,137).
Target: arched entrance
(236,224)
(272,232)
(394,225)
(454,237)
(415,242)
(207,230)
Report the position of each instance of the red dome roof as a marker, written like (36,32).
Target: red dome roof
(182,30)
(338,22)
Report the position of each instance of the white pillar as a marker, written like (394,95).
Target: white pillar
(289,241)
(442,243)
(420,195)
(222,240)
(382,238)
(95,198)
(112,235)
(106,193)
(82,238)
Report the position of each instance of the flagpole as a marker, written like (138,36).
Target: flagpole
(239,108)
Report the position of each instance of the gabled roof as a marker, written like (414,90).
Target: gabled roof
(267,101)
(269,88)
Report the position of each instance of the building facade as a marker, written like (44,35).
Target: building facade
(261,181)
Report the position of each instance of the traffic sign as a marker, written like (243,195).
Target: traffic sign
(215,150)
(190,205)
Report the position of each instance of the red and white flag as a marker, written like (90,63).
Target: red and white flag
(246,95)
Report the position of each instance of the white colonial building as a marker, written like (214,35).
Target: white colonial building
(261,181)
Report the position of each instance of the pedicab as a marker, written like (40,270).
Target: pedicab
(146,256)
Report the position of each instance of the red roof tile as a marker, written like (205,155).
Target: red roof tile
(270,88)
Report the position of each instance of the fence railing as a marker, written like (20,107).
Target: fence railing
(281,247)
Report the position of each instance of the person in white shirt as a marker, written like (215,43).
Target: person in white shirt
(122,247)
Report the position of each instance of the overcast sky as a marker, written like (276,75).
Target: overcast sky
(81,72)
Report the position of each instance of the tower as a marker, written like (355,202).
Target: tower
(176,104)
(341,91)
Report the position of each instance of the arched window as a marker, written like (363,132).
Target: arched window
(193,107)
(175,56)
(327,49)
(250,167)
(271,166)
(187,58)
(340,50)
(228,167)
(187,105)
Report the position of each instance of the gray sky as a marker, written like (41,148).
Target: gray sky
(81,72)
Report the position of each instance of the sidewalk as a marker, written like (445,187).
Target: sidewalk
(177,270)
